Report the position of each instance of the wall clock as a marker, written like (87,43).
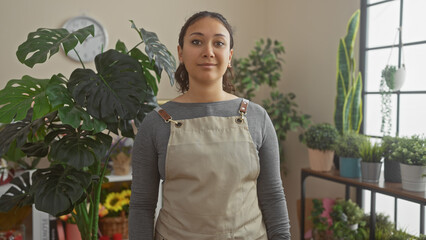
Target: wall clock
(92,46)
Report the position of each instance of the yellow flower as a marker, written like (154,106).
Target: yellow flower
(102,210)
(125,195)
(113,202)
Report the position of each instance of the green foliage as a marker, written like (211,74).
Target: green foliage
(389,75)
(401,235)
(384,226)
(344,215)
(388,145)
(348,107)
(264,66)
(69,121)
(370,152)
(320,224)
(411,151)
(321,136)
(349,144)
(385,107)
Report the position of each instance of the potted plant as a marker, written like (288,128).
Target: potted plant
(348,220)
(348,104)
(321,219)
(394,77)
(392,168)
(70,120)
(114,212)
(320,140)
(348,149)
(411,154)
(371,161)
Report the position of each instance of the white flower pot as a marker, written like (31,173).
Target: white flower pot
(320,160)
(413,177)
(399,79)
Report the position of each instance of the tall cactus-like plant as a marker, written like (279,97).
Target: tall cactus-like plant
(348,109)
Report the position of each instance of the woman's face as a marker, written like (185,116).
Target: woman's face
(206,51)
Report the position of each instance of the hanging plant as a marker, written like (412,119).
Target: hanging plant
(386,103)
(394,77)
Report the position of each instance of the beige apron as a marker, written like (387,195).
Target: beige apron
(209,191)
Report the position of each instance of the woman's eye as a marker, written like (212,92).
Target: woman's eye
(220,43)
(196,42)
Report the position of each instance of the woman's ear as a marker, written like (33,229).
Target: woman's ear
(231,52)
(179,49)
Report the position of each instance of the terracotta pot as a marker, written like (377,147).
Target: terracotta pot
(320,160)
(72,232)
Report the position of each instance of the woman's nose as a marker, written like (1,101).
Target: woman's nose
(208,51)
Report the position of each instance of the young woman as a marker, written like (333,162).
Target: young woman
(217,153)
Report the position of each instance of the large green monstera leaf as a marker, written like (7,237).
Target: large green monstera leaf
(116,91)
(19,95)
(78,151)
(69,112)
(57,189)
(22,131)
(18,194)
(158,52)
(46,42)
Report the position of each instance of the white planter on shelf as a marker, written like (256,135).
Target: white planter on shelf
(413,177)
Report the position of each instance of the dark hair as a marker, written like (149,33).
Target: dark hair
(181,75)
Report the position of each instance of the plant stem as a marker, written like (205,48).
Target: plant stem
(134,47)
(79,58)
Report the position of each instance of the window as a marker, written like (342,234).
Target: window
(393,32)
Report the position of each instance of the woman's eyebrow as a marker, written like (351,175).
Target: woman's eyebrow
(201,34)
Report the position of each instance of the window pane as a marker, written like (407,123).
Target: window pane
(408,216)
(383,23)
(374,1)
(415,64)
(413,114)
(376,61)
(413,20)
(373,116)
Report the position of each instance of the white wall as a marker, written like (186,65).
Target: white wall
(309,29)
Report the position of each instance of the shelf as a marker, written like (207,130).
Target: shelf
(387,188)
(117,178)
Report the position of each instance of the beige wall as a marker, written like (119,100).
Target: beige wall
(309,29)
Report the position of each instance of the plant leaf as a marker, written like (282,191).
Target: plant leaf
(57,189)
(76,150)
(158,52)
(46,42)
(18,96)
(21,131)
(70,112)
(117,91)
(18,194)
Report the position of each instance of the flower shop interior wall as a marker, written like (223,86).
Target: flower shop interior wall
(309,30)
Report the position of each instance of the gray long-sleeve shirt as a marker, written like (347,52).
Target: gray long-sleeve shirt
(149,156)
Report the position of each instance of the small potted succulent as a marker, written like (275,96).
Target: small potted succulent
(320,140)
(347,148)
(411,154)
(371,161)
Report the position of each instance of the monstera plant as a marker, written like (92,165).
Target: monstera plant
(70,120)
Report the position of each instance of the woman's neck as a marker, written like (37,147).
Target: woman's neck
(199,94)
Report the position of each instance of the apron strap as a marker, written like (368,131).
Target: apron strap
(166,117)
(244,106)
